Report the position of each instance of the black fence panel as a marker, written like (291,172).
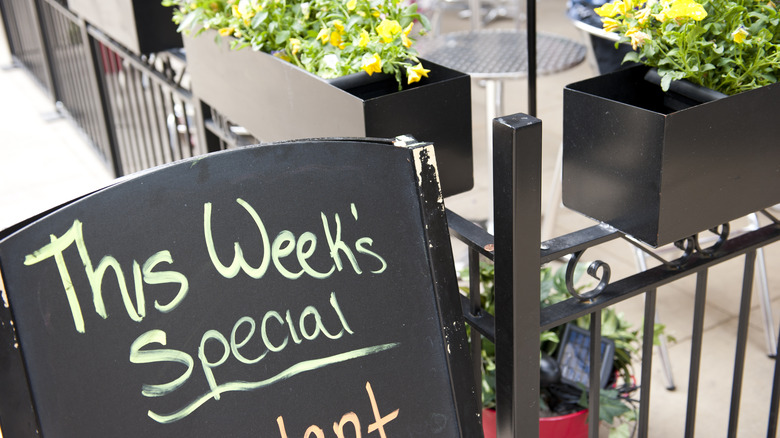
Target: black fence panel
(72,72)
(25,40)
(151,115)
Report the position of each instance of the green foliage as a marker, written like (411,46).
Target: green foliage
(727,45)
(330,38)
(614,326)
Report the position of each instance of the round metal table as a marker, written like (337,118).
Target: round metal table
(498,54)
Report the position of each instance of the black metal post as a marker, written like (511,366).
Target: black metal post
(531,30)
(517,147)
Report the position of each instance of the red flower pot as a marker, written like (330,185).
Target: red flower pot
(565,426)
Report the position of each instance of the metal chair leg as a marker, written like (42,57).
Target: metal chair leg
(763,295)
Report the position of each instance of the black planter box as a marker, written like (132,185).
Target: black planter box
(275,100)
(662,175)
(141,26)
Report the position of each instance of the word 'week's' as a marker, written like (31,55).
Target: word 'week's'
(288,253)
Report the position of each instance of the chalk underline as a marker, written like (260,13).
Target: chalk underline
(299,368)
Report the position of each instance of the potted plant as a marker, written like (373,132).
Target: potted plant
(141,26)
(563,405)
(294,69)
(665,162)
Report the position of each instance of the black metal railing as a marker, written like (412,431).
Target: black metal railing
(25,40)
(519,318)
(73,73)
(135,110)
(150,113)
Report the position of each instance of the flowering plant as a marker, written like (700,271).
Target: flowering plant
(726,45)
(330,38)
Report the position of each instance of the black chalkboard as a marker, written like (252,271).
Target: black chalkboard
(289,290)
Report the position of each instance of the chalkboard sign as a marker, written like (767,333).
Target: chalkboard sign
(303,289)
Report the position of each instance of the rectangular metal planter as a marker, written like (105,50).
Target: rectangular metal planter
(662,175)
(141,26)
(275,100)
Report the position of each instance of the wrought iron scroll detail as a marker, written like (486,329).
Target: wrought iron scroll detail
(593,270)
(689,246)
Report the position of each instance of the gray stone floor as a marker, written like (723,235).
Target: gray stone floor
(44,161)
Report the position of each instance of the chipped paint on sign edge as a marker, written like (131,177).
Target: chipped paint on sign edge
(430,159)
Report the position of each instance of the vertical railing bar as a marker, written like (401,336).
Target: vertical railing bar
(41,29)
(169,140)
(648,336)
(95,101)
(7,20)
(90,120)
(180,146)
(696,344)
(45,66)
(594,374)
(70,95)
(742,333)
(23,33)
(176,140)
(476,305)
(159,120)
(104,71)
(93,111)
(109,78)
(122,117)
(166,101)
(132,119)
(184,146)
(146,121)
(187,129)
(20,35)
(26,35)
(136,91)
(161,123)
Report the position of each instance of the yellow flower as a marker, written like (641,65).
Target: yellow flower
(295,45)
(339,26)
(351,5)
(610,24)
(681,9)
(637,37)
(335,40)
(740,35)
(642,15)
(405,36)
(324,35)
(414,74)
(388,29)
(364,38)
(227,31)
(610,10)
(236,12)
(371,64)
